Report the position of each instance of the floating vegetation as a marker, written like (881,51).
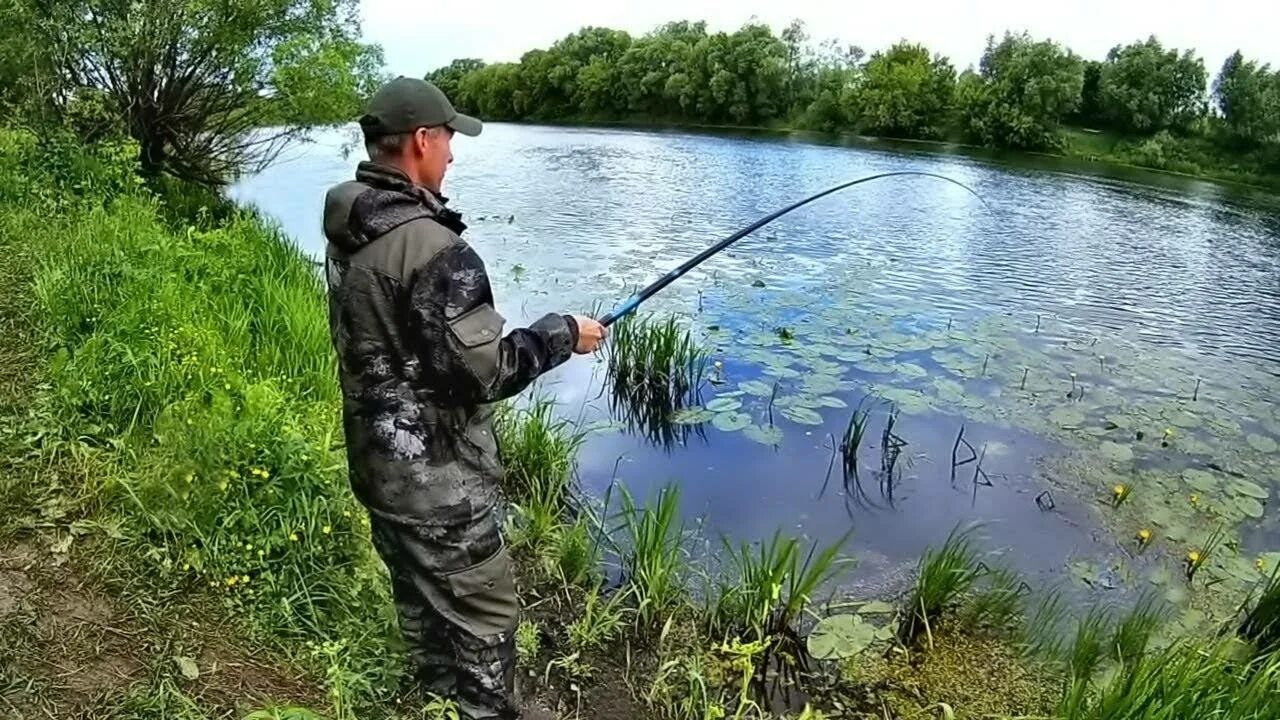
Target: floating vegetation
(656,371)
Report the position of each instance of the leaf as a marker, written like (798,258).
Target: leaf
(877,607)
(1200,480)
(1251,489)
(187,667)
(692,416)
(840,636)
(724,405)
(802,415)
(731,421)
(1261,443)
(1067,417)
(831,402)
(911,371)
(1249,506)
(1184,419)
(764,434)
(1116,453)
(755,387)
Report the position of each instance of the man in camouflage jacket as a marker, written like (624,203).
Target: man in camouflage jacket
(422,354)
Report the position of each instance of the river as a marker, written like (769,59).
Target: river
(1086,330)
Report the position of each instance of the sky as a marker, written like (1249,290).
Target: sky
(418,36)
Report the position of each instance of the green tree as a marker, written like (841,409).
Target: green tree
(449,80)
(1021,93)
(195,81)
(906,93)
(1248,95)
(1144,88)
(323,81)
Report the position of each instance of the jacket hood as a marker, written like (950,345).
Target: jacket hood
(379,200)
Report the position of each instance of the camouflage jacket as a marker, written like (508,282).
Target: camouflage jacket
(421,351)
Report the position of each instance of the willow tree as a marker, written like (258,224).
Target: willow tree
(198,83)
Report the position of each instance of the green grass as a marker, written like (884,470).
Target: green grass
(652,554)
(943,577)
(655,369)
(1261,624)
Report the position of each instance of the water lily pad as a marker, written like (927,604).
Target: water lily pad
(1067,416)
(840,636)
(1249,506)
(724,404)
(764,434)
(1250,488)
(877,607)
(821,384)
(949,390)
(830,401)
(1116,453)
(731,421)
(911,371)
(692,416)
(1200,480)
(802,415)
(878,367)
(1184,419)
(781,371)
(755,387)
(1261,443)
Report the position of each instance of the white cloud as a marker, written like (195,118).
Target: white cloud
(420,36)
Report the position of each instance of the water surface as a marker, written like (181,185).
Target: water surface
(1066,324)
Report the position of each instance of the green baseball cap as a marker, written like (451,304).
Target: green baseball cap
(406,104)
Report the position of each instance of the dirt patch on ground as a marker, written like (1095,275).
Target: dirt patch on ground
(68,649)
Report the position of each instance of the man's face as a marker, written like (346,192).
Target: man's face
(432,156)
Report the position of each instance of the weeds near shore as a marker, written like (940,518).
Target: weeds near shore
(944,576)
(652,554)
(655,369)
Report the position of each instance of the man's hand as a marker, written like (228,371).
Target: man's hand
(590,334)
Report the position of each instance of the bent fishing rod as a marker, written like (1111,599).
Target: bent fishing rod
(633,302)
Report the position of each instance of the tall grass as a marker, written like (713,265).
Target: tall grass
(652,555)
(1261,624)
(944,576)
(1184,681)
(193,359)
(655,368)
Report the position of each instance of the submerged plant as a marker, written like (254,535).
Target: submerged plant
(655,370)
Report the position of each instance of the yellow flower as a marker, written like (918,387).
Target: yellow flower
(1119,490)
(261,552)
(1144,536)
(222,485)
(232,580)
(187,566)
(293,537)
(326,529)
(190,477)
(1262,567)
(346,513)
(244,579)
(1194,557)
(1168,432)
(719,364)
(265,474)
(1194,498)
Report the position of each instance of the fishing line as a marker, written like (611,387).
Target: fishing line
(633,302)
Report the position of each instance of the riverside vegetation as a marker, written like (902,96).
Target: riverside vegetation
(1143,104)
(179,442)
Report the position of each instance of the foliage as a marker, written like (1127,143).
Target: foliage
(189,80)
(1144,88)
(1248,95)
(652,555)
(1024,89)
(155,329)
(905,93)
(943,577)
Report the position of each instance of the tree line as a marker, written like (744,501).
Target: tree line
(1020,95)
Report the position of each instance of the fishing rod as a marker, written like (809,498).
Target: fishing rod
(633,302)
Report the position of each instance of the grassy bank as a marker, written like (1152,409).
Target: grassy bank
(172,428)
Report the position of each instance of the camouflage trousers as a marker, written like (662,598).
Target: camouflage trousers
(455,596)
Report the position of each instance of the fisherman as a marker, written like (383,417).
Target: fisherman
(422,356)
